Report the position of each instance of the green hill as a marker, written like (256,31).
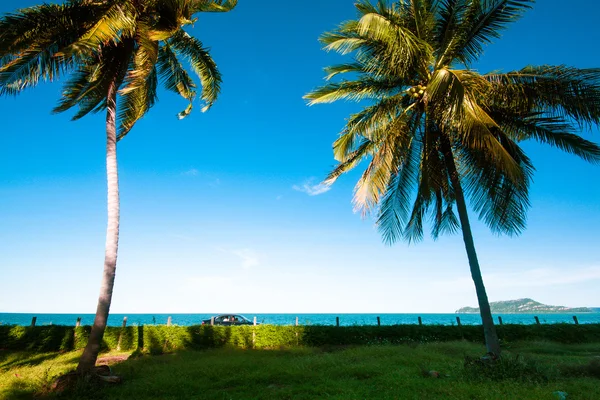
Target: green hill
(525,306)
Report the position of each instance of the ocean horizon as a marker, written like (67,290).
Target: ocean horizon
(346,319)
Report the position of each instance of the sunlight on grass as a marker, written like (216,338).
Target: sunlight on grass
(530,370)
(24,373)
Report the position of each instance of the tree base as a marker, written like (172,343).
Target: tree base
(100,375)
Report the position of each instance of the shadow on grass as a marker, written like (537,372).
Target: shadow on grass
(19,390)
(304,372)
(29,361)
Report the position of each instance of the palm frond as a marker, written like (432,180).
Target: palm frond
(83,89)
(344,40)
(27,69)
(144,60)
(501,199)
(213,5)
(458,113)
(554,131)
(371,122)
(399,47)
(117,22)
(365,88)
(445,220)
(386,155)
(394,207)
(34,26)
(175,77)
(31,38)
(88,87)
(450,16)
(421,15)
(335,70)
(433,180)
(136,103)
(483,21)
(202,64)
(557,91)
(351,160)
(384,47)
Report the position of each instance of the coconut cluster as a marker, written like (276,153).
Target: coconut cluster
(417,91)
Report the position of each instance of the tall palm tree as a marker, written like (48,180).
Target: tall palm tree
(111,48)
(436,132)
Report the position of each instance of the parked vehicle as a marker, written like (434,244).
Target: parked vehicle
(228,320)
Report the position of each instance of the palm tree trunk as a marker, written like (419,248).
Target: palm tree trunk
(489,330)
(90,354)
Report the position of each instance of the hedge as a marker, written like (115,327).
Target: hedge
(157,339)
(63,338)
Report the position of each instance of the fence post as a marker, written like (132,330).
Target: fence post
(169,320)
(420,321)
(296,321)
(297,339)
(537,320)
(212,321)
(575,319)
(500,320)
(378,321)
(78,323)
(33,321)
(121,333)
(337,321)
(458,321)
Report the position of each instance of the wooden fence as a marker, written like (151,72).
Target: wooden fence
(337,321)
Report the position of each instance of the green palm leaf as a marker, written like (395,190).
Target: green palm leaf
(213,5)
(202,64)
(482,22)
(117,22)
(558,91)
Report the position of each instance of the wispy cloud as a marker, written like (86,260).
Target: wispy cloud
(540,277)
(204,176)
(182,237)
(191,172)
(248,257)
(312,189)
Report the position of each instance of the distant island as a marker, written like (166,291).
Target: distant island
(523,306)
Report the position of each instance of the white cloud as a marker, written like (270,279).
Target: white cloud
(312,189)
(191,172)
(248,256)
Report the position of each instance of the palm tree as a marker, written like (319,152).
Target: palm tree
(436,132)
(111,48)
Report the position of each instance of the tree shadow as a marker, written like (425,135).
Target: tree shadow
(29,361)
(19,390)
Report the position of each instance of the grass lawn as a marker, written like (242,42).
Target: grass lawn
(367,372)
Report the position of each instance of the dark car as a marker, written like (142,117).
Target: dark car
(228,320)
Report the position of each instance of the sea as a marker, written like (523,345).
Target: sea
(303,319)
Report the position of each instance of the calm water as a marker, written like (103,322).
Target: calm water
(303,319)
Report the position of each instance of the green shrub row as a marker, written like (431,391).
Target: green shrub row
(157,339)
(63,338)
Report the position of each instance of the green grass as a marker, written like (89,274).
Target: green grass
(529,370)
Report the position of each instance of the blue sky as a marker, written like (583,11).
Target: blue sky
(222,212)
